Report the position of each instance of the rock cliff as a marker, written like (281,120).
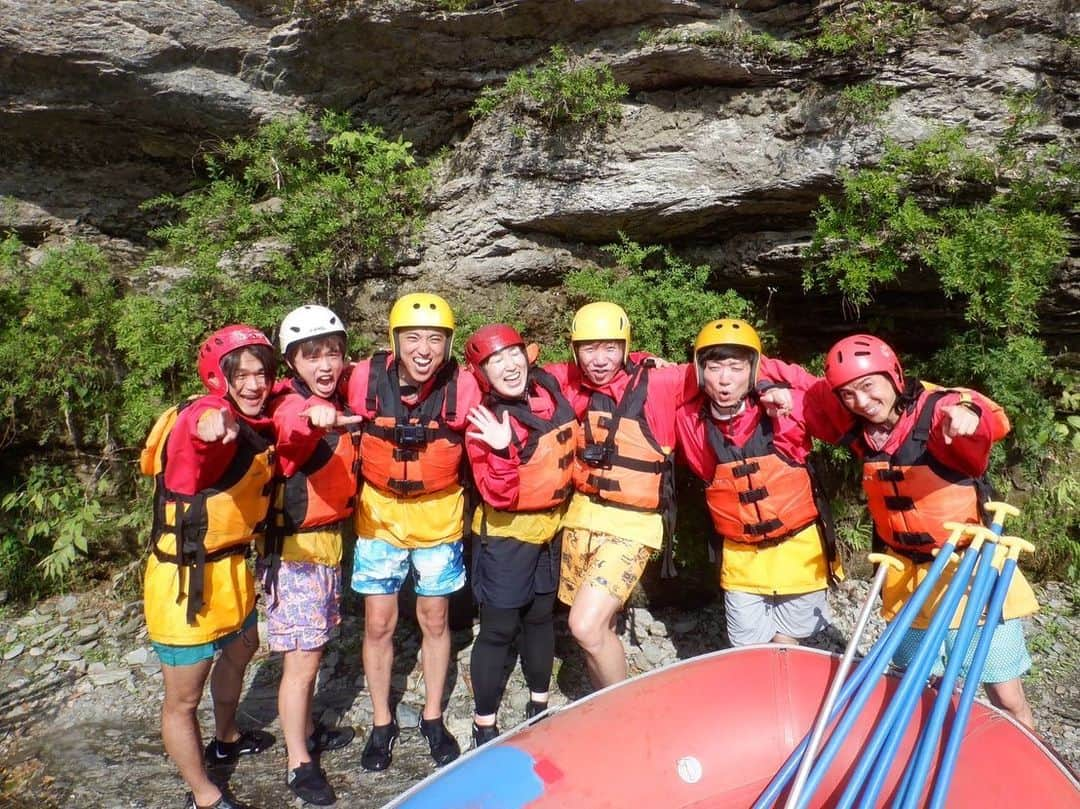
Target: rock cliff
(722,150)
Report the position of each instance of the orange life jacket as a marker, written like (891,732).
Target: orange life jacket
(546,470)
(757,495)
(410,451)
(218,521)
(911,495)
(618,461)
(317,497)
(323,490)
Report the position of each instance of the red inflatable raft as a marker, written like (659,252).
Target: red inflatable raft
(711,732)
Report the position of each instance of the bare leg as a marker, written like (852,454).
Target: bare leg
(227,680)
(180,727)
(294,702)
(432,612)
(592,622)
(380,619)
(1009,696)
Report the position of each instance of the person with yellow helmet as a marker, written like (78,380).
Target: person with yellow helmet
(212,461)
(622,477)
(415,404)
(778,553)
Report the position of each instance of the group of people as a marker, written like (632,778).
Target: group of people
(563,476)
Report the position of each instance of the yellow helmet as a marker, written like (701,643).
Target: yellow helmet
(728,331)
(600,321)
(420,310)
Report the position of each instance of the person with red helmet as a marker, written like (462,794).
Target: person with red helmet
(521,450)
(925,452)
(212,460)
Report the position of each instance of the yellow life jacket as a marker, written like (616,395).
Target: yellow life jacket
(215,523)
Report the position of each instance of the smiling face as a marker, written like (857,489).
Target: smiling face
(872,398)
(600,360)
(420,353)
(248,382)
(507,371)
(319,363)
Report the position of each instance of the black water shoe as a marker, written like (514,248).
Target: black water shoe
(219,753)
(534,708)
(444,747)
(482,734)
(325,738)
(378,751)
(224,802)
(308,783)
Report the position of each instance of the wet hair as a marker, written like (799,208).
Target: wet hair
(313,344)
(725,352)
(230,363)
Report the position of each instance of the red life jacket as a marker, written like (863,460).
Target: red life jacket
(546,469)
(323,490)
(410,451)
(757,495)
(618,461)
(911,495)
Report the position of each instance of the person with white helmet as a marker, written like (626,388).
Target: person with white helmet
(414,402)
(300,556)
(212,461)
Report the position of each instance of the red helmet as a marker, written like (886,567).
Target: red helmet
(859,355)
(486,341)
(220,343)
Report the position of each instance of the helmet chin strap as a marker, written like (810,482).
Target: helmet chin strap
(724,413)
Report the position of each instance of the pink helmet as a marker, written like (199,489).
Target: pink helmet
(859,355)
(220,343)
(486,341)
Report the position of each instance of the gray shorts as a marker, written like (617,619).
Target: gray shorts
(754,618)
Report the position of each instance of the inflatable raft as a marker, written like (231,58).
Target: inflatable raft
(711,732)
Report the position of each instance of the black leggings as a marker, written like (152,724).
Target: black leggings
(491,651)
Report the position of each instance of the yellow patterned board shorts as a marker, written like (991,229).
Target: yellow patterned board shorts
(606,562)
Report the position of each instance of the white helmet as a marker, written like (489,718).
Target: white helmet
(306,322)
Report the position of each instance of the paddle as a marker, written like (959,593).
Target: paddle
(884,562)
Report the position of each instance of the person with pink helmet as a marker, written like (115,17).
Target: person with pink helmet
(925,452)
(521,450)
(212,461)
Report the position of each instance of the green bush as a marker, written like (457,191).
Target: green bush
(320,201)
(666,299)
(61,366)
(563,89)
(91,362)
(864,102)
(992,230)
(876,26)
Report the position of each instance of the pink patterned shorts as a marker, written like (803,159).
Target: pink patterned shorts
(307,607)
